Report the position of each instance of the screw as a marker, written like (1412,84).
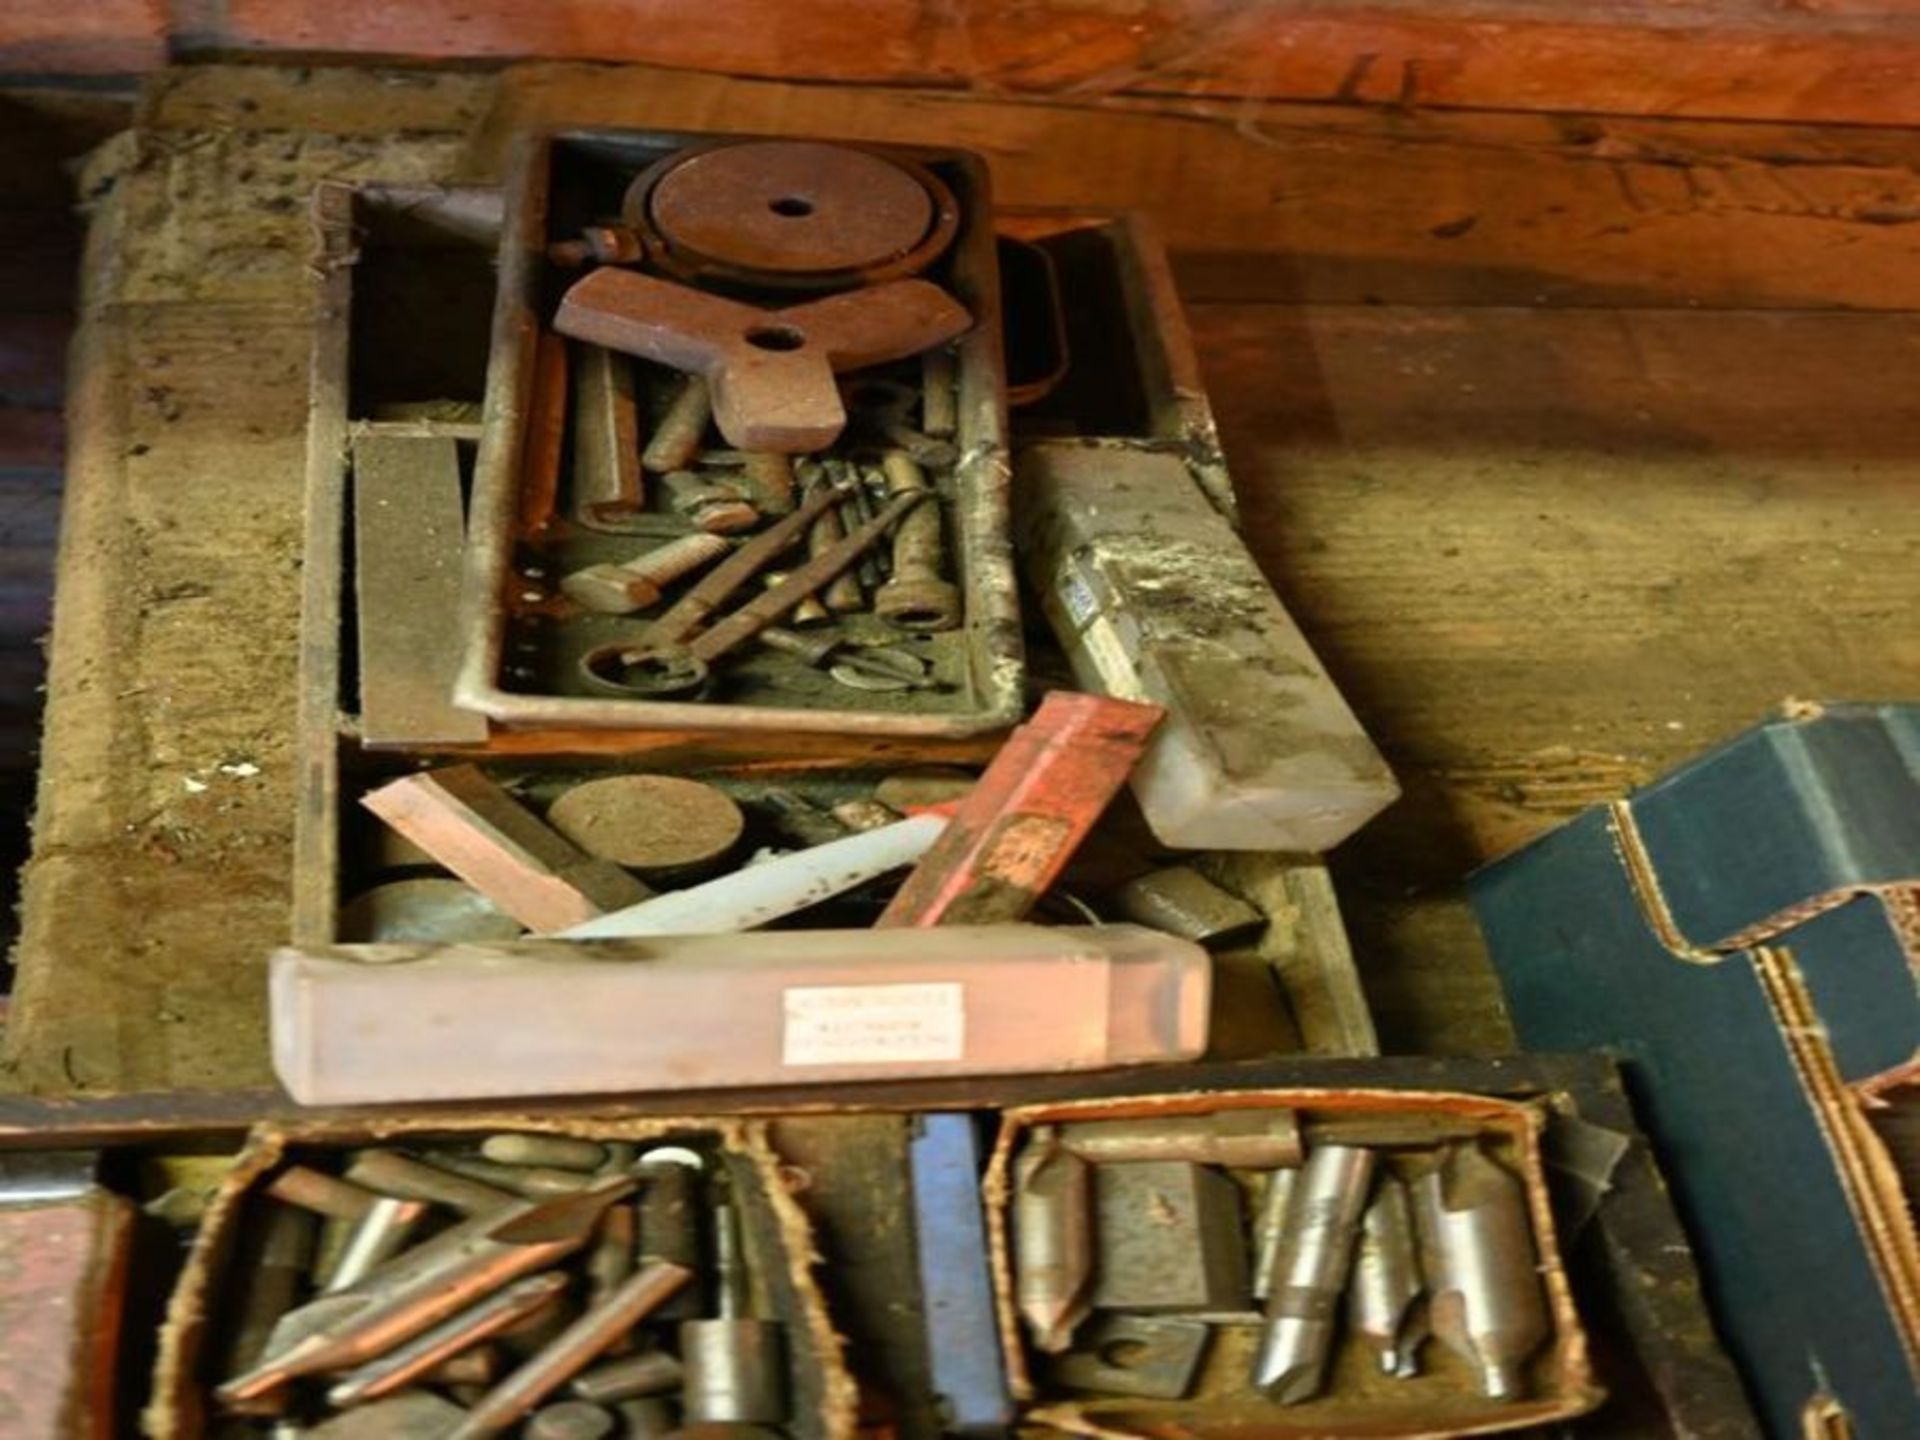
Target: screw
(636,584)
(917,597)
(843,594)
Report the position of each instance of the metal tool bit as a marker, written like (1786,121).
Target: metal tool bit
(321,1193)
(809,614)
(856,509)
(652,1372)
(473,1369)
(1485,1300)
(417,1290)
(1153,1356)
(607,485)
(610,1260)
(562,1152)
(802,820)
(531,1181)
(376,1237)
(1181,901)
(430,1349)
(735,1364)
(1310,1271)
(417,1415)
(1269,1225)
(1237,1139)
(574,1349)
(919,596)
(276,1249)
(651,1417)
(570,1420)
(391,1173)
(1052,1239)
(841,595)
(677,438)
(1383,1294)
(939,402)
(669,1218)
(1168,1237)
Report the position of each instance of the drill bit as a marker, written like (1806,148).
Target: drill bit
(1052,1239)
(1482,1273)
(1310,1268)
(1386,1282)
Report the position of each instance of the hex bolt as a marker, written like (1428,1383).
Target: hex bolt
(638,583)
(717,509)
(917,597)
(676,439)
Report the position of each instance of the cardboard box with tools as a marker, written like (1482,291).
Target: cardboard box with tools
(1743,933)
(458,1277)
(1282,1263)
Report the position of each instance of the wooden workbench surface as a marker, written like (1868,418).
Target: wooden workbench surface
(1574,444)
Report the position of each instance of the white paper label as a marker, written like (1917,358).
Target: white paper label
(874,1024)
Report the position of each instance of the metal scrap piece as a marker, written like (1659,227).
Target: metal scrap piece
(770,371)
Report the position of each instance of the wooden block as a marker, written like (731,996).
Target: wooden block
(491,841)
(407,527)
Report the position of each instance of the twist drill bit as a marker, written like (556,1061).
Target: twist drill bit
(1386,1282)
(1310,1270)
(1483,1275)
(1052,1239)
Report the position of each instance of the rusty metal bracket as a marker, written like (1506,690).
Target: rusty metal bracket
(770,371)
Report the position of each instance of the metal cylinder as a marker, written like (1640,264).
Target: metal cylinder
(562,1151)
(1386,1282)
(735,1370)
(377,1236)
(569,1420)
(669,1215)
(654,1372)
(1052,1239)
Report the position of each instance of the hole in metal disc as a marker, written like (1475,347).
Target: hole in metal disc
(791,206)
(775,337)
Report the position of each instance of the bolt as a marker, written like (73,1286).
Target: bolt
(717,509)
(636,584)
(598,245)
(843,594)
(769,481)
(676,439)
(917,597)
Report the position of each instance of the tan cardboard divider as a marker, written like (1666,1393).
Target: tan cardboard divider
(825,1400)
(1443,1401)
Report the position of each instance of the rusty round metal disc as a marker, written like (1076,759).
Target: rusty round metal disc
(656,823)
(791,206)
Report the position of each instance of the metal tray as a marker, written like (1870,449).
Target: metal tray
(983,660)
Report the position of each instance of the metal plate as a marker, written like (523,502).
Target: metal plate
(791,206)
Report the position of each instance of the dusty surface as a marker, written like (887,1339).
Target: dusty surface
(1547,552)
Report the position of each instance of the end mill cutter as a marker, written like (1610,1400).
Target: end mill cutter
(1483,1275)
(1052,1239)
(1382,1303)
(1310,1268)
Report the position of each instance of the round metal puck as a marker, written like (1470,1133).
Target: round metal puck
(656,823)
(791,205)
(791,214)
(432,908)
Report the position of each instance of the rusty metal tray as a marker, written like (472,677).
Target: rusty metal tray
(517,653)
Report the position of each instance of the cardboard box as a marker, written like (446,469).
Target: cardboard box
(1743,934)
(774,1229)
(1442,1400)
